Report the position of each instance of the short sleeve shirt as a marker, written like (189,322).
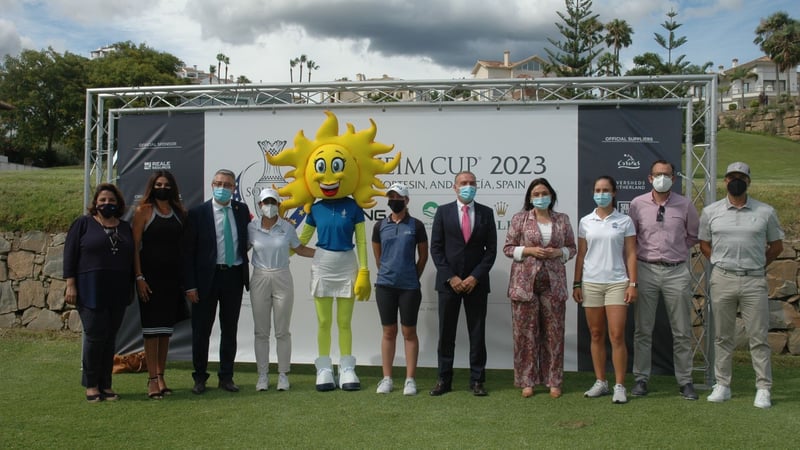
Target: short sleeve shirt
(605,243)
(271,247)
(398,264)
(335,221)
(739,236)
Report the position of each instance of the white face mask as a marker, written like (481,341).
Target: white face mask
(662,183)
(269,210)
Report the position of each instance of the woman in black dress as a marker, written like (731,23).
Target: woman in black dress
(98,253)
(157,229)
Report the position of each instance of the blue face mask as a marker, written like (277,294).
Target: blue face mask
(602,199)
(222,195)
(541,202)
(467,193)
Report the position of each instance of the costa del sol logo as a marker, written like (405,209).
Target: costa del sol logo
(429,209)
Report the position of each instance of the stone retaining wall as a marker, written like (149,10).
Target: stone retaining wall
(32,289)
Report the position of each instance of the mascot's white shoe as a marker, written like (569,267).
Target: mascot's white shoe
(325,381)
(348,380)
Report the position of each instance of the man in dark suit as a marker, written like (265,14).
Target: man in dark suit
(215,271)
(463,248)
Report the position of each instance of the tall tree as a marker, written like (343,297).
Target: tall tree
(582,33)
(740,74)
(607,65)
(618,35)
(311,65)
(212,69)
(301,61)
(292,64)
(670,42)
(220,58)
(227,61)
(778,36)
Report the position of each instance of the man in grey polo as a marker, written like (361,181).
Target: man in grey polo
(666,229)
(740,236)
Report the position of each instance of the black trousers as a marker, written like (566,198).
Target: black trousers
(100,327)
(475,310)
(227,291)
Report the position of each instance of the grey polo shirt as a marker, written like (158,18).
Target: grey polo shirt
(739,236)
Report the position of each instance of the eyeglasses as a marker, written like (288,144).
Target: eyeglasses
(660,215)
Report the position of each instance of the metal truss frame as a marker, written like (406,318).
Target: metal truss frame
(695,94)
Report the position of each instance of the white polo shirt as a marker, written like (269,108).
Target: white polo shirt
(271,247)
(605,243)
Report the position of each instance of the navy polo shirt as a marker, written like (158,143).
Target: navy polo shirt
(399,251)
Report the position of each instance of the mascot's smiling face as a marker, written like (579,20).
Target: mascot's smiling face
(332,172)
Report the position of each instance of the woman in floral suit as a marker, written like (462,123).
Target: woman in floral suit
(540,241)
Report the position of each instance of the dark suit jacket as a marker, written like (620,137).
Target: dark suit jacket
(452,256)
(200,246)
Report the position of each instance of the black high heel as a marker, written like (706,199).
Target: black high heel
(154,395)
(166,390)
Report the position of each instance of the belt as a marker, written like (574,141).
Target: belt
(742,273)
(664,263)
(226,267)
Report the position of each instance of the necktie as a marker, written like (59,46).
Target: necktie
(466,229)
(227,237)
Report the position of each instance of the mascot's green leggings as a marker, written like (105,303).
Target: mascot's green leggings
(344,315)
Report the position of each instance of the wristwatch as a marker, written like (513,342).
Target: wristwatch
(633,284)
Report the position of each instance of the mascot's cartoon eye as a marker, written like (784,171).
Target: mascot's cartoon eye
(337,165)
(319,165)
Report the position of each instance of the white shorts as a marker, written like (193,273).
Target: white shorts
(333,274)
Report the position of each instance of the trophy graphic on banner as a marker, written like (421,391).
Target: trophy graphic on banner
(272,174)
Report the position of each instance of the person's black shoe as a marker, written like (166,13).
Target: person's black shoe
(478,390)
(440,388)
(199,387)
(688,393)
(228,385)
(640,390)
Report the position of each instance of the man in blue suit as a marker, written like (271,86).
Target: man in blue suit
(463,248)
(215,271)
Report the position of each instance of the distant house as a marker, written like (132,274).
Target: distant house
(378,94)
(198,76)
(530,67)
(763,80)
(102,52)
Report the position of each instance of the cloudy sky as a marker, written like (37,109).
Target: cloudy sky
(406,39)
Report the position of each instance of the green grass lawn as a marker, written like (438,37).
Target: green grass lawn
(42,406)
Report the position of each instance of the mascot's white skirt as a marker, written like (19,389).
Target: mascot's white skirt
(333,274)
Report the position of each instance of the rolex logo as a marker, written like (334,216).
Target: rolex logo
(501,208)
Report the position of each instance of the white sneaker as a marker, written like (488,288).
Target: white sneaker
(763,399)
(410,387)
(348,380)
(263,382)
(325,381)
(720,394)
(385,386)
(620,395)
(599,388)
(283,382)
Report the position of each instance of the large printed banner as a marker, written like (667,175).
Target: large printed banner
(506,148)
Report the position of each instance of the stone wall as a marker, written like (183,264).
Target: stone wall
(780,123)
(32,289)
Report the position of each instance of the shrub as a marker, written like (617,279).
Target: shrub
(732,107)
(754,103)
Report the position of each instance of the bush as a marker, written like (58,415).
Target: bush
(732,107)
(754,103)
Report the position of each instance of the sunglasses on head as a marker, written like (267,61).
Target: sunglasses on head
(660,215)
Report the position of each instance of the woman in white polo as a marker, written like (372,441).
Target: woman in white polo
(605,283)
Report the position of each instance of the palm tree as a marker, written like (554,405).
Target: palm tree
(618,35)
(243,80)
(301,60)
(311,65)
(741,74)
(220,58)
(778,36)
(226,61)
(212,69)
(292,65)
(607,65)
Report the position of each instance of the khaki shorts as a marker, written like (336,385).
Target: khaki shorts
(596,295)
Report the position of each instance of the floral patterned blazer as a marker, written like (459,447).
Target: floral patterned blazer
(524,231)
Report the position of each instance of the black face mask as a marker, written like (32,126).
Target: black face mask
(737,187)
(107,210)
(397,205)
(161,193)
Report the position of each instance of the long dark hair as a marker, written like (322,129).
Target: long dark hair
(613,184)
(536,182)
(175,195)
(114,190)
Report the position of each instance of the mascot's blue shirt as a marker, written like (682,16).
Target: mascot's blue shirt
(335,221)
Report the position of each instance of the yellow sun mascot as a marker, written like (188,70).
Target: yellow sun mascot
(339,171)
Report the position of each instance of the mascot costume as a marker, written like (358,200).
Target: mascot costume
(338,171)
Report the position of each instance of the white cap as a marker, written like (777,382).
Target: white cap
(400,188)
(269,193)
(738,167)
